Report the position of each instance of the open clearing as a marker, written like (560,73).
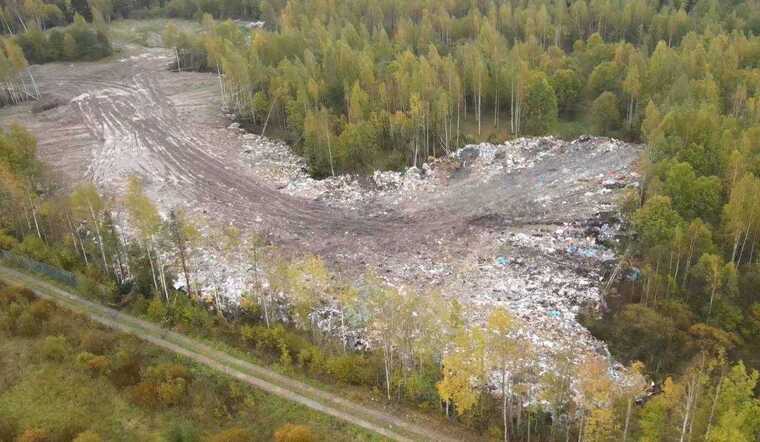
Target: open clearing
(517,225)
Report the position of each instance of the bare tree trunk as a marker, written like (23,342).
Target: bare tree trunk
(221,85)
(152,269)
(34,215)
(266,313)
(480,94)
(712,409)
(266,121)
(162,274)
(386,363)
(329,144)
(100,238)
(34,83)
(689,400)
(459,105)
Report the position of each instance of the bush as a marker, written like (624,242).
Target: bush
(55,348)
(233,435)
(97,342)
(8,429)
(168,372)
(351,369)
(27,325)
(157,310)
(163,384)
(171,393)
(126,366)
(88,436)
(34,435)
(96,364)
(145,395)
(181,432)
(42,309)
(294,433)
(7,242)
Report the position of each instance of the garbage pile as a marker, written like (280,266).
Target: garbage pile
(274,162)
(546,255)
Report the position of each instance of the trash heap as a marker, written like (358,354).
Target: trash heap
(545,258)
(274,162)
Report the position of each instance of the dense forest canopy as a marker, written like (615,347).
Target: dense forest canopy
(376,84)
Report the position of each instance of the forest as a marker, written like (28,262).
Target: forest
(356,86)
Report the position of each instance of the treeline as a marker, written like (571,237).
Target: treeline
(77,42)
(357,86)
(73,380)
(19,16)
(416,349)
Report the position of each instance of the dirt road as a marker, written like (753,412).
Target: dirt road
(390,426)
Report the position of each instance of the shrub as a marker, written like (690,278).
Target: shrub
(167,372)
(27,325)
(126,366)
(171,393)
(157,311)
(96,341)
(233,435)
(351,369)
(248,333)
(144,394)
(55,348)
(294,433)
(7,429)
(163,384)
(34,435)
(96,364)
(42,309)
(88,436)
(313,360)
(7,242)
(181,432)
(33,247)
(7,324)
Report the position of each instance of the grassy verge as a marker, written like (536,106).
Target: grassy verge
(67,375)
(395,422)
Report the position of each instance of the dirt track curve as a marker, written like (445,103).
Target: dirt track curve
(131,116)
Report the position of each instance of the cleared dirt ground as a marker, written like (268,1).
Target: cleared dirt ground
(530,204)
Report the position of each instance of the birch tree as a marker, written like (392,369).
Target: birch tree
(89,207)
(146,220)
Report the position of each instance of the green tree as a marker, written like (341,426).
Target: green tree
(605,113)
(540,104)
